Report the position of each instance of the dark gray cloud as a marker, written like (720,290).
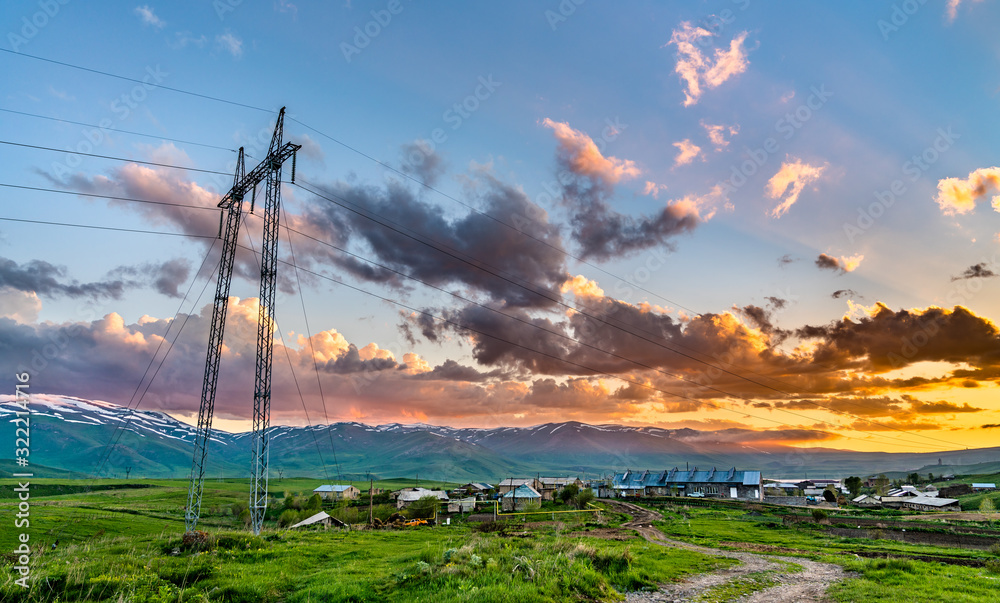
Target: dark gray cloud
(785,260)
(46,279)
(603,233)
(827,262)
(474,250)
(422,161)
(844,293)
(979,270)
(166,277)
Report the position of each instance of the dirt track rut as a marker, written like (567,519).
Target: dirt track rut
(806,586)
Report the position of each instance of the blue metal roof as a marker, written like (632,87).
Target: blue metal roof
(335,488)
(633,480)
(523,492)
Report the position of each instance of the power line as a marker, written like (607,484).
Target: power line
(99,127)
(120,428)
(111,197)
(94,227)
(165,165)
(355,150)
(137,81)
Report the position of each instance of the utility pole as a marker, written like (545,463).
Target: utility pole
(371,501)
(268,171)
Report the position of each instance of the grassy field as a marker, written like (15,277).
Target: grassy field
(886,570)
(123,542)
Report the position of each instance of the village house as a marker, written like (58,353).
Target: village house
(516,482)
(320,519)
(983,487)
(337,492)
(550,486)
(521,498)
(477,489)
(746,485)
(408,496)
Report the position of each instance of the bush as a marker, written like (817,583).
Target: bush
(818,515)
(568,493)
(288,517)
(237,508)
(423,508)
(196,540)
(584,498)
(315,502)
(244,517)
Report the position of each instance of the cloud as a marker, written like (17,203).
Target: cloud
(183,38)
(980,270)
(698,71)
(423,162)
(43,278)
(578,153)
(785,260)
(472,249)
(230,43)
(588,180)
(20,306)
(688,152)
(788,182)
(653,189)
(951,9)
(310,149)
(166,277)
(958,196)
(717,134)
(148,17)
(990,426)
(843,293)
(843,264)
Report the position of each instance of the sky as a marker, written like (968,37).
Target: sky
(764,222)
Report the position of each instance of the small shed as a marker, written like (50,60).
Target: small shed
(462,505)
(521,498)
(983,487)
(320,519)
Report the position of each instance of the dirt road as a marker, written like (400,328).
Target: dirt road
(806,586)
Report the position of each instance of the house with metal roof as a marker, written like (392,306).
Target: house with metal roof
(983,487)
(521,498)
(512,483)
(338,492)
(746,485)
(931,503)
(408,496)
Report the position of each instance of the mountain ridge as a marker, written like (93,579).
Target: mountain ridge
(74,434)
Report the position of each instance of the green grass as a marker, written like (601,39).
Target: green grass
(886,580)
(740,587)
(119,543)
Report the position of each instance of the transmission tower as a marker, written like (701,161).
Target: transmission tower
(268,170)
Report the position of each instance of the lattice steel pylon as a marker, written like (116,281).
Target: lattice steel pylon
(268,170)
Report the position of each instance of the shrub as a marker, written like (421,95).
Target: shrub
(818,515)
(422,508)
(993,566)
(567,493)
(584,498)
(288,517)
(196,540)
(237,508)
(244,517)
(315,502)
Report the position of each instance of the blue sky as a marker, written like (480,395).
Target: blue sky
(833,102)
